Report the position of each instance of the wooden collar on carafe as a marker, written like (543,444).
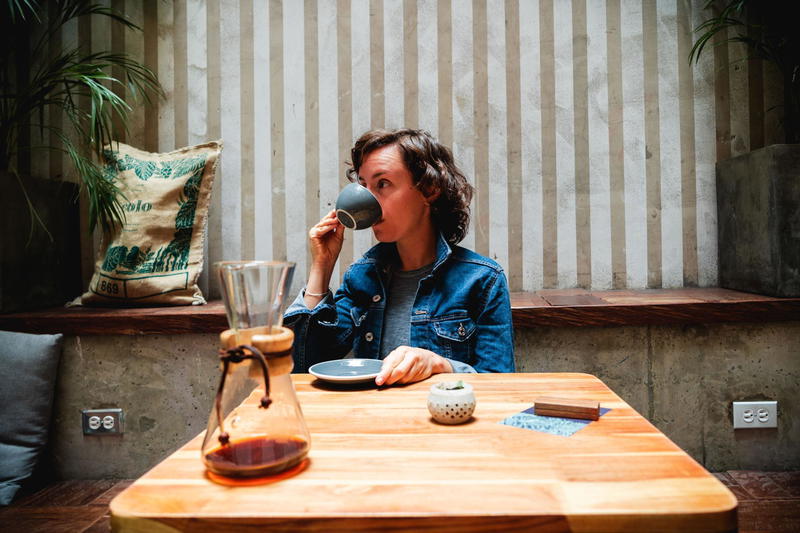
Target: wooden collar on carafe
(275,345)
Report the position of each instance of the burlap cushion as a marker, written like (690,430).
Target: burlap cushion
(157,256)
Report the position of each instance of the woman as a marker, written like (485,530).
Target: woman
(416,300)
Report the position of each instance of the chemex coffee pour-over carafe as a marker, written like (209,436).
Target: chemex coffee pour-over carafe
(256,427)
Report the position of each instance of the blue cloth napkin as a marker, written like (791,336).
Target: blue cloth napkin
(566,427)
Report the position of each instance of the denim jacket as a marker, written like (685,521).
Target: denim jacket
(461,311)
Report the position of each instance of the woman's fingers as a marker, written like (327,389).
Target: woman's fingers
(320,229)
(408,365)
(325,225)
(404,368)
(389,364)
(403,365)
(416,371)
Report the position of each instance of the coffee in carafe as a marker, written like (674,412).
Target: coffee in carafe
(256,426)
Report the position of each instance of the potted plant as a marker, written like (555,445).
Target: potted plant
(758,193)
(38,74)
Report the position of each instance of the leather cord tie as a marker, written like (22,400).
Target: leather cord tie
(237,355)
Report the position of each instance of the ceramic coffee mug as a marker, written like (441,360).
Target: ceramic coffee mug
(357,208)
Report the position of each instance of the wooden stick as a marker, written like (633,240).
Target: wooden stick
(567,408)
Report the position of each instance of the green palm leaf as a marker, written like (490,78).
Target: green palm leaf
(768,30)
(78,82)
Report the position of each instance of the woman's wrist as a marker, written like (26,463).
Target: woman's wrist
(443,366)
(318,280)
(316,294)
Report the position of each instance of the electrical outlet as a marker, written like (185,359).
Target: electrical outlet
(755,414)
(102,421)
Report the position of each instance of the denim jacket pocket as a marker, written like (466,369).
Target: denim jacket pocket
(454,336)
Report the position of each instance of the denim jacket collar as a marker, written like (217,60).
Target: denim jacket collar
(384,254)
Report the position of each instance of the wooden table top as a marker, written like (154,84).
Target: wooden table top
(378,461)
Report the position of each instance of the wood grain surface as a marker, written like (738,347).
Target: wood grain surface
(552,308)
(378,461)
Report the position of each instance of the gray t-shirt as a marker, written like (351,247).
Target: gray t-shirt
(397,317)
(396,321)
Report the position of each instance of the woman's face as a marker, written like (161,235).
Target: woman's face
(406,213)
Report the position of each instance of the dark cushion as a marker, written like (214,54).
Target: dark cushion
(28,368)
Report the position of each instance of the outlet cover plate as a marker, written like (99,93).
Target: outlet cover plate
(755,415)
(102,421)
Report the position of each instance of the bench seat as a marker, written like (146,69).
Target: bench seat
(552,308)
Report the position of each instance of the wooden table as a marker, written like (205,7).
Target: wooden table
(378,461)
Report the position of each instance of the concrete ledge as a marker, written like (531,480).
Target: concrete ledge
(550,308)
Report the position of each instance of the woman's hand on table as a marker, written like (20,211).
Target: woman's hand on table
(409,365)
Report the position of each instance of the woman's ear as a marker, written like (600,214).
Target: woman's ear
(432,195)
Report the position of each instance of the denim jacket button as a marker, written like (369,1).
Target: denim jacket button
(461,330)
(369,336)
(376,298)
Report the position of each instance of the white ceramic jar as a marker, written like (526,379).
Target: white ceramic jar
(451,402)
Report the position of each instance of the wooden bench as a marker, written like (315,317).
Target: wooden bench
(552,308)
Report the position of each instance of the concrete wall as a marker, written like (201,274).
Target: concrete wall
(164,384)
(682,378)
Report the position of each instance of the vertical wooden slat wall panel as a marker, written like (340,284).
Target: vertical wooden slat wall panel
(652,138)
(294,111)
(179,60)
(166,75)
(359,115)
(670,144)
(214,235)
(531,146)
(565,194)
(445,43)
(99,40)
(599,163)
(616,154)
(687,147)
(393,64)
(262,187)
(351,17)
(590,139)
(456,89)
(705,150)
(276,127)
(547,108)
(312,104)
(580,97)
(427,67)
(634,149)
(246,111)
(497,136)
(514,144)
(230,165)
(480,204)
(150,29)
(411,84)
(134,46)
(739,111)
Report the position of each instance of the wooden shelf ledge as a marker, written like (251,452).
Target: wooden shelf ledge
(550,308)
(209,318)
(578,307)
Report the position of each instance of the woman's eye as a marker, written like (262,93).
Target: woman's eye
(382,184)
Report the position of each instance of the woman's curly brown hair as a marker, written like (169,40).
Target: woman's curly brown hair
(433,169)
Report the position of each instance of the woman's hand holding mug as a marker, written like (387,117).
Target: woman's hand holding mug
(325,238)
